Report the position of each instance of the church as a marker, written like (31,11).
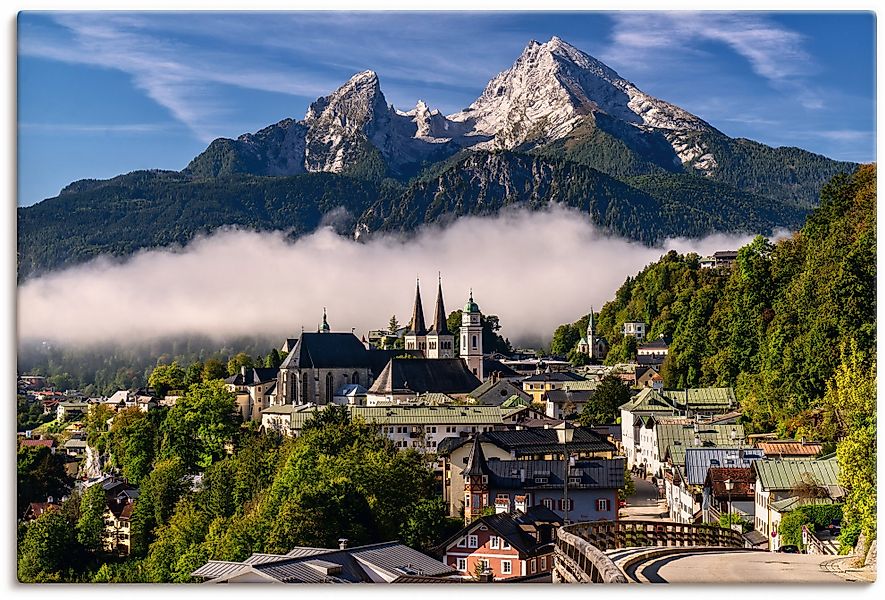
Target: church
(591,344)
(438,341)
(320,364)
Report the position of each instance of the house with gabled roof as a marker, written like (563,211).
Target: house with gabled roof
(493,392)
(506,545)
(386,562)
(779,480)
(517,483)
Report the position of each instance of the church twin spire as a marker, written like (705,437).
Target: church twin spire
(440,324)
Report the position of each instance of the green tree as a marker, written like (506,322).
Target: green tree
(194,374)
(166,377)
(602,407)
(200,425)
(392,325)
(133,440)
(273,359)
(564,339)
(47,548)
(41,474)
(428,524)
(236,362)
(90,525)
(213,369)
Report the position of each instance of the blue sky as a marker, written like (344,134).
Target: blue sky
(106,93)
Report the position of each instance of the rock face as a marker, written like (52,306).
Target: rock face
(543,97)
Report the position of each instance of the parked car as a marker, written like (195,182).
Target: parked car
(789,549)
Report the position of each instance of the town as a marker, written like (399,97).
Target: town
(520,446)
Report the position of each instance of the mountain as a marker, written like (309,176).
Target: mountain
(557,126)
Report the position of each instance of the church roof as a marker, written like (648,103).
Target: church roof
(327,351)
(420,375)
(440,326)
(471,306)
(417,326)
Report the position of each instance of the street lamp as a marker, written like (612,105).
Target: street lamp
(564,433)
(729,485)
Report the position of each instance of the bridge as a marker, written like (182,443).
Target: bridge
(666,552)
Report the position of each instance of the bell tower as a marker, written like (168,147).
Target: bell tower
(471,337)
(440,341)
(476,483)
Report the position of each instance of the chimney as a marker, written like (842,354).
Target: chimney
(486,576)
(342,543)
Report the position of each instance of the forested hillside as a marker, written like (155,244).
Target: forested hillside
(792,327)
(339,478)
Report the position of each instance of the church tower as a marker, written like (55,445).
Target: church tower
(325,328)
(416,337)
(591,336)
(476,483)
(440,341)
(471,337)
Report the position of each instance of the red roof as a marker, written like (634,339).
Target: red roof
(743,478)
(775,448)
(35,509)
(33,443)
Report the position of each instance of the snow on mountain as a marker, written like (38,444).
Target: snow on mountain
(552,86)
(548,91)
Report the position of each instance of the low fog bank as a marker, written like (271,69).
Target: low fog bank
(535,270)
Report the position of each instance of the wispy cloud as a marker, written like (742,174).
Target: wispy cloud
(773,52)
(182,61)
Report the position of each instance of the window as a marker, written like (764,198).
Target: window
(505,567)
(543,563)
(474,341)
(328,388)
(494,542)
(485,563)
(533,566)
(355,378)
(462,565)
(539,480)
(505,545)
(462,542)
(548,503)
(602,505)
(472,541)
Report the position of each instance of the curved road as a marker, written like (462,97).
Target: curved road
(738,567)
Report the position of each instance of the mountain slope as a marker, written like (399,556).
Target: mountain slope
(557,126)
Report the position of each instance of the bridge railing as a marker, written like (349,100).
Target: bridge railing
(580,556)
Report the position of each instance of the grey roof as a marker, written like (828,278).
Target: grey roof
(659,343)
(517,528)
(491,365)
(440,324)
(496,392)
(557,376)
(564,396)
(593,473)
(416,325)
(533,441)
(476,460)
(327,351)
(420,375)
(378,358)
(699,460)
(319,565)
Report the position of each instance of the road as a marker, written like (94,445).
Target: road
(739,567)
(644,505)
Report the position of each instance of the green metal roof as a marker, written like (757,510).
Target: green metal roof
(649,400)
(776,475)
(702,398)
(681,436)
(794,502)
(576,386)
(407,415)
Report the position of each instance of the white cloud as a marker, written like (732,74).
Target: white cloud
(534,270)
(773,52)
